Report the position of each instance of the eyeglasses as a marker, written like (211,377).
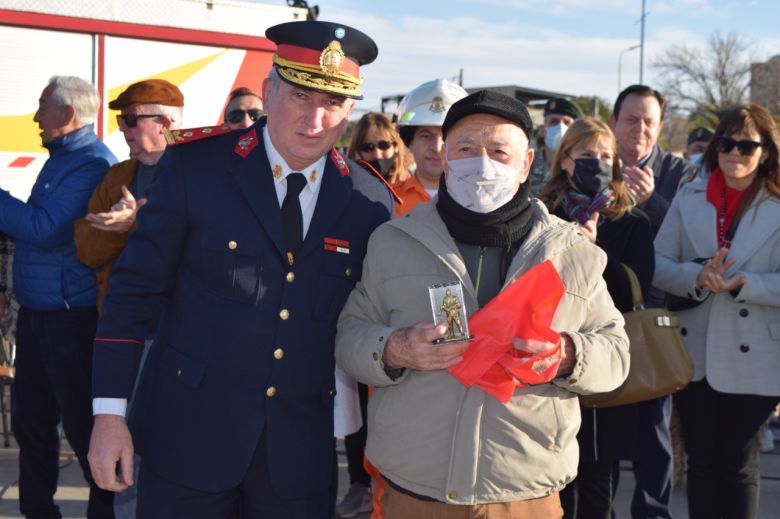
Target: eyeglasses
(131,120)
(237,115)
(746,147)
(368,147)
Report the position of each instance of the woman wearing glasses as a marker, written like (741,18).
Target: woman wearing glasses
(586,187)
(719,246)
(376,141)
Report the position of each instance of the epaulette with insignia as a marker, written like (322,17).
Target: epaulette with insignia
(372,170)
(339,161)
(174,137)
(246,143)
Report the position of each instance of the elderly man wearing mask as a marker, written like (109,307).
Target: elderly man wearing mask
(443,447)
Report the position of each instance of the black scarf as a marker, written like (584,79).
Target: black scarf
(504,227)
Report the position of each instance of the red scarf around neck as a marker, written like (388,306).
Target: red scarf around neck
(719,193)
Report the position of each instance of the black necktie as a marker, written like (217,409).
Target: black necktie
(292,218)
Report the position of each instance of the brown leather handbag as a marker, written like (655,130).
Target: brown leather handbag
(660,364)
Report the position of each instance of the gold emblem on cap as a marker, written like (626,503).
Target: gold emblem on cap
(552,105)
(277,171)
(331,58)
(437,106)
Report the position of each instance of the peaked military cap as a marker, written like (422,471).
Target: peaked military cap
(562,106)
(699,134)
(323,56)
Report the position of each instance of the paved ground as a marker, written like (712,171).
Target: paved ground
(72,492)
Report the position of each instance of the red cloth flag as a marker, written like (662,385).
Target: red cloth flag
(525,310)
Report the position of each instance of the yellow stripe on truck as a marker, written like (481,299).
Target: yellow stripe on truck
(176,75)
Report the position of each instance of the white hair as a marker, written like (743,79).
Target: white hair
(276,80)
(78,93)
(174,113)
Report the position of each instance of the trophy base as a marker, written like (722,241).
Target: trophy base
(453,340)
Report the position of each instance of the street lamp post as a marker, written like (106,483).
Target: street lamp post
(620,61)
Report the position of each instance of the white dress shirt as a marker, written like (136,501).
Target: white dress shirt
(308,200)
(313,174)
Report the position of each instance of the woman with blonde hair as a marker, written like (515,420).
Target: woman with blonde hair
(719,248)
(586,187)
(377,142)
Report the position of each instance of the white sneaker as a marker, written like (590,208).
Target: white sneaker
(357,501)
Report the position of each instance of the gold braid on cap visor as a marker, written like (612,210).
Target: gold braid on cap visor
(312,76)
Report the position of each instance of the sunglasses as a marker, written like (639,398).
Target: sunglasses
(726,144)
(368,147)
(131,120)
(236,116)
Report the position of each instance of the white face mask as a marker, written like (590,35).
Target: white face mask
(481,184)
(553,135)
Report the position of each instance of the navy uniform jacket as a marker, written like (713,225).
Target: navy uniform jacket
(242,341)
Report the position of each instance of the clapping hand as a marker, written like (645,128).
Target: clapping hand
(120,217)
(711,274)
(640,183)
(590,227)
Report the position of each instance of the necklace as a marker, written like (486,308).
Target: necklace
(723,241)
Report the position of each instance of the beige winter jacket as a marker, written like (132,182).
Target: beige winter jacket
(435,437)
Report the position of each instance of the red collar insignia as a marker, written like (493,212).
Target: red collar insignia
(339,161)
(246,143)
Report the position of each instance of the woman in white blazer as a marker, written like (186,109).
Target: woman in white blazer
(718,250)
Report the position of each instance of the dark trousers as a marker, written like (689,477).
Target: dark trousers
(722,435)
(355,444)
(53,385)
(592,491)
(253,498)
(654,466)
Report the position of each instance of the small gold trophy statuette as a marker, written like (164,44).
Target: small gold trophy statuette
(448,307)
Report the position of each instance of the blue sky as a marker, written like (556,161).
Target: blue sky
(568,46)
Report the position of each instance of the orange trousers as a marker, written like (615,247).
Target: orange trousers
(401,506)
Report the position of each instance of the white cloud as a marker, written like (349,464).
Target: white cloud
(413,50)
(556,7)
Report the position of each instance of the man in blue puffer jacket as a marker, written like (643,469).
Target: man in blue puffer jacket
(58,298)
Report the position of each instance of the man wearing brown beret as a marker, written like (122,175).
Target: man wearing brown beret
(148,108)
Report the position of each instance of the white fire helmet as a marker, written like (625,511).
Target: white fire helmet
(427,104)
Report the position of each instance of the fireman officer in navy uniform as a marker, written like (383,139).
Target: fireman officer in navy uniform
(243,257)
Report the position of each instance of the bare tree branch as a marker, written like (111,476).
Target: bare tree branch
(706,82)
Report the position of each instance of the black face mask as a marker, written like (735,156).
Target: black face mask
(383,166)
(591,176)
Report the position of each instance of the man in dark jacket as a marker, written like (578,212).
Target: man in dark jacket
(652,176)
(57,295)
(241,262)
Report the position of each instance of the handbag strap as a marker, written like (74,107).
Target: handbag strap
(636,290)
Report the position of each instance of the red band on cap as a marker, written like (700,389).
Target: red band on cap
(312,57)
